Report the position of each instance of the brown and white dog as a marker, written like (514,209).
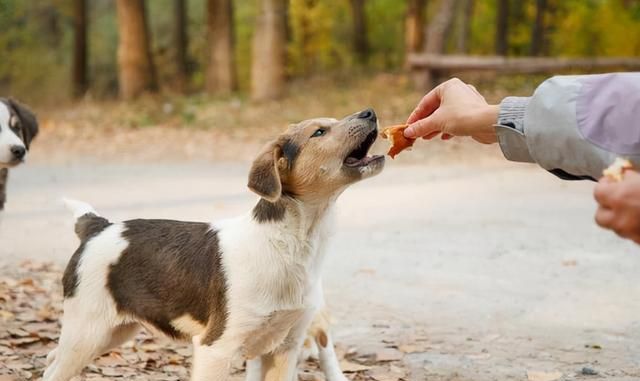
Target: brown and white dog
(249,285)
(18,126)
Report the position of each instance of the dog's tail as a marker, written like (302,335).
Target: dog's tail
(79,208)
(88,221)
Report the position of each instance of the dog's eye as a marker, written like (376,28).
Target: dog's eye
(319,132)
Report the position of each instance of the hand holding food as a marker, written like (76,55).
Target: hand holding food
(454,108)
(395,135)
(618,197)
(616,170)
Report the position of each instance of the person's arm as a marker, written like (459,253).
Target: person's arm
(573,126)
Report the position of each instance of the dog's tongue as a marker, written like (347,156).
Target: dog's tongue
(351,161)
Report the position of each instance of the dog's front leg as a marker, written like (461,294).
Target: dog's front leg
(254,369)
(212,362)
(329,362)
(282,364)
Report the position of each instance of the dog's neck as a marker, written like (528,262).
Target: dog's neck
(301,218)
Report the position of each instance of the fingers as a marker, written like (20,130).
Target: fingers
(425,127)
(427,105)
(605,217)
(603,190)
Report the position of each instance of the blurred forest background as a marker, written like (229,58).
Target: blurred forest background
(55,50)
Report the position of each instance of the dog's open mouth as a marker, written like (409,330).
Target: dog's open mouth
(358,157)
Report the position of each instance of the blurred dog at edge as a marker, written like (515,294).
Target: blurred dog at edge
(249,285)
(18,126)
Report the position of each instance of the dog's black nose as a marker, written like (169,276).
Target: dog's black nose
(18,152)
(368,114)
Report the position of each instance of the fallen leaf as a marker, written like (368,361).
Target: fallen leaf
(18,332)
(543,376)
(382,374)
(112,359)
(111,371)
(352,367)
(412,348)
(6,315)
(388,354)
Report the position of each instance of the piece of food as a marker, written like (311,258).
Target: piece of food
(395,135)
(617,169)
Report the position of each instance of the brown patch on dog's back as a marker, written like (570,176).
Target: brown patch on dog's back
(169,269)
(87,227)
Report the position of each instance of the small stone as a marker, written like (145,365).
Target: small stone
(586,371)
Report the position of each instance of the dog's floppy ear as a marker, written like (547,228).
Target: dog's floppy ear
(264,177)
(28,121)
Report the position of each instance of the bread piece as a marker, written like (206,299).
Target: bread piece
(616,170)
(395,135)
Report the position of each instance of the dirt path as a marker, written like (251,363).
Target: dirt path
(474,273)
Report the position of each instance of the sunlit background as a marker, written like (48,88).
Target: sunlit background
(481,269)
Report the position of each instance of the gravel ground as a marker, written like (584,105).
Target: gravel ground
(474,270)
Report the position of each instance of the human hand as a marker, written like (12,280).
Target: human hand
(619,205)
(454,108)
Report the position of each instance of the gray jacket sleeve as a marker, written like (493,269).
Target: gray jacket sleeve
(574,126)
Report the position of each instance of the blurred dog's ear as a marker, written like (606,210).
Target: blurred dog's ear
(264,177)
(28,121)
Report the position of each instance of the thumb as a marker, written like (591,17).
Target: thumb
(427,126)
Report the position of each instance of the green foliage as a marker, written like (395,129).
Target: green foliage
(386,33)
(36,40)
(311,42)
(33,44)
(596,28)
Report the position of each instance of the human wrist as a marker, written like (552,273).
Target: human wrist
(488,118)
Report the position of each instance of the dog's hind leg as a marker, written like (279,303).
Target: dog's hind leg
(212,360)
(120,335)
(84,337)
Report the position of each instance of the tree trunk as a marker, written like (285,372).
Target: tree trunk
(464,30)
(269,51)
(136,73)
(220,74)
(538,32)
(439,26)
(502,28)
(79,73)
(360,38)
(181,42)
(415,26)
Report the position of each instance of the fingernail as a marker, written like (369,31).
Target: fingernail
(409,133)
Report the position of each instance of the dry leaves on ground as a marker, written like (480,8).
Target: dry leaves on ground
(30,307)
